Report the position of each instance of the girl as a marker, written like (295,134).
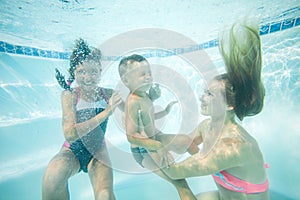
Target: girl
(85,110)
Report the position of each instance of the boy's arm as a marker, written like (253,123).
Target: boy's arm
(166,111)
(134,128)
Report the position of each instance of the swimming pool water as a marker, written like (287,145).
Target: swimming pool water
(30,113)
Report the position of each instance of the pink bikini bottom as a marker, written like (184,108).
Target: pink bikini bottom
(233,183)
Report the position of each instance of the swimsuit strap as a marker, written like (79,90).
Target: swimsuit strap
(103,95)
(78,95)
(233,183)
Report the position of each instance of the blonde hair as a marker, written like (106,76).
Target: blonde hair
(241,51)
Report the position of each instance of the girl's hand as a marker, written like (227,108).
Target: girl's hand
(114,101)
(154,92)
(169,106)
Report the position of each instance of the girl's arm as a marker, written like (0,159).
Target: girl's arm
(108,92)
(73,130)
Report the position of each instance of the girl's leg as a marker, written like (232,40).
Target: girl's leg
(181,185)
(55,181)
(101,176)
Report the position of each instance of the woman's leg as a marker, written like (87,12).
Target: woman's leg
(101,176)
(213,195)
(55,181)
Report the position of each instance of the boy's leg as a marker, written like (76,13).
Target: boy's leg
(178,143)
(181,185)
(55,180)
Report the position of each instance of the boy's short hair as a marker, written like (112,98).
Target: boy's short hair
(125,63)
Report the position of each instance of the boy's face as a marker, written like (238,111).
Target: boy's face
(139,77)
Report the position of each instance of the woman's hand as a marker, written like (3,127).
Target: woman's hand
(165,159)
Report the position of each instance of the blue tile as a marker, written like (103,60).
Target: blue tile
(196,48)
(264,29)
(55,54)
(275,27)
(213,43)
(48,53)
(205,45)
(19,50)
(27,51)
(297,23)
(288,23)
(9,48)
(42,53)
(111,58)
(35,52)
(163,54)
(147,55)
(2,49)
(178,51)
(65,55)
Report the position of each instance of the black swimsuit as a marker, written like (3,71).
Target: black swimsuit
(87,146)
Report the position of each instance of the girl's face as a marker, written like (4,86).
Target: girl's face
(88,75)
(213,102)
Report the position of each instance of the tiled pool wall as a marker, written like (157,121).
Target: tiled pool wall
(31,51)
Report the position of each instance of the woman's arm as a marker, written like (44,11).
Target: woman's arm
(196,135)
(224,155)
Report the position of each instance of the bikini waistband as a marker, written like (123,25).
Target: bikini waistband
(233,183)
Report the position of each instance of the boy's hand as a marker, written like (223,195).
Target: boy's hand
(169,106)
(154,92)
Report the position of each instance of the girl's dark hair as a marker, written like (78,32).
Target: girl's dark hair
(80,53)
(244,88)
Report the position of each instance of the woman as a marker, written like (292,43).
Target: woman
(230,154)
(85,109)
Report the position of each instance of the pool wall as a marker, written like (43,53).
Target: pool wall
(30,121)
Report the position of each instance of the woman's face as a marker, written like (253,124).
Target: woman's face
(88,75)
(213,101)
